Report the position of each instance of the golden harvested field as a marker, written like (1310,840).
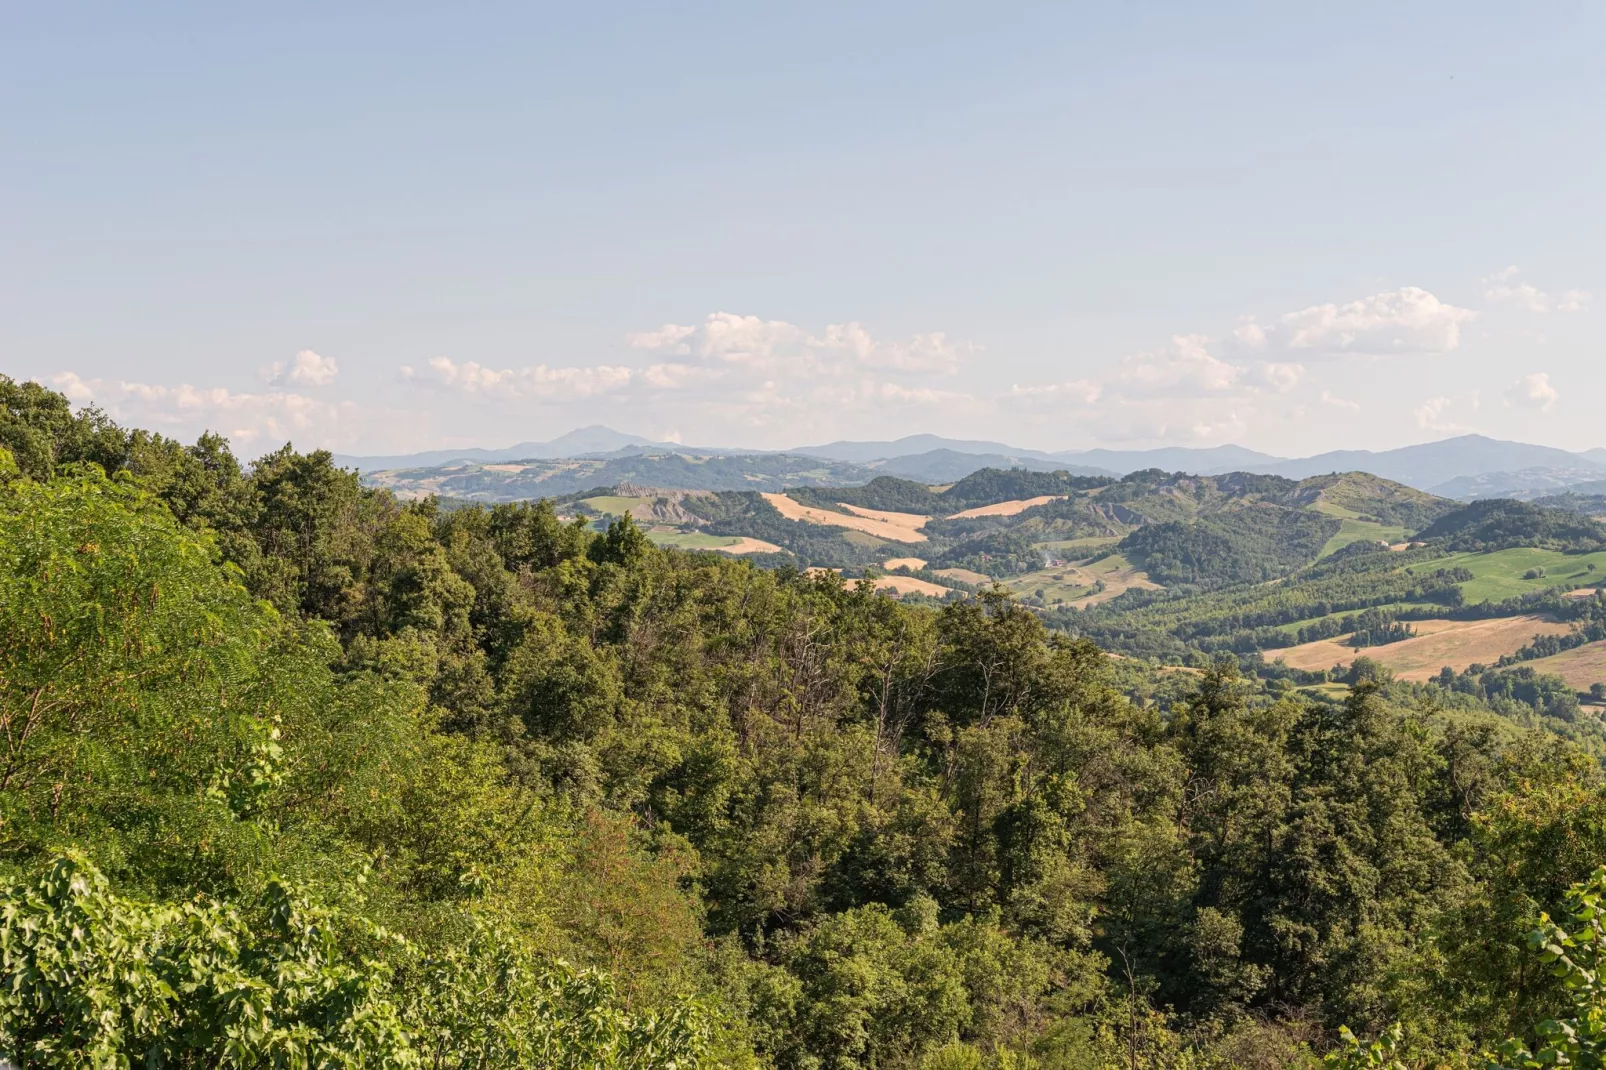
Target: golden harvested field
(895,527)
(965,575)
(1020,505)
(504,467)
(895,584)
(910,585)
(914,563)
(746,545)
(1117,581)
(1581,667)
(1456,643)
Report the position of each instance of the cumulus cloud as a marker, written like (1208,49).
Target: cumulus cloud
(1076,393)
(307,369)
(1432,415)
(1503,287)
(733,370)
(535,381)
(775,345)
(245,418)
(1278,376)
(1532,392)
(1184,368)
(1407,320)
(670,337)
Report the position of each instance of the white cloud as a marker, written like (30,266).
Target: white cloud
(922,353)
(251,420)
(749,340)
(778,347)
(1532,392)
(1327,398)
(1076,393)
(307,369)
(1250,334)
(536,381)
(1431,416)
(670,337)
(674,376)
(1184,368)
(1503,287)
(1407,320)
(920,395)
(1280,377)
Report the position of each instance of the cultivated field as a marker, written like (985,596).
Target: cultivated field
(965,575)
(1014,508)
(1077,585)
(1456,643)
(1580,667)
(618,505)
(746,545)
(896,527)
(910,585)
(895,584)
(912,563)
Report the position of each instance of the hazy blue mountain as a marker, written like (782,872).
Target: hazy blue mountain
(1209,461)
(1526,484)
(1468,467)
(1433,464)
(946,466)
(595,439)
(860,452)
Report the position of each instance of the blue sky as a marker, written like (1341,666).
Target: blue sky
(384,227)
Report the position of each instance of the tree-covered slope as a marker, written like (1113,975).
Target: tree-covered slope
(1254,543)
(1500,523)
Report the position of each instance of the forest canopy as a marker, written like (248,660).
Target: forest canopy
(295,773)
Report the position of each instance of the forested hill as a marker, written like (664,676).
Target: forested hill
(296,774)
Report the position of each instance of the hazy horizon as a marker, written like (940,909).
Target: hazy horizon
(384,232)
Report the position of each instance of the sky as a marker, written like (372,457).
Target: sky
(391,227)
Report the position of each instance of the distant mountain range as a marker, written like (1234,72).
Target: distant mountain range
(1466,467)
(586,440)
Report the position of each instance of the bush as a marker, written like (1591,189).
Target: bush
(92,979)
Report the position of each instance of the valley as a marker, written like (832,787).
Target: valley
(1301,577)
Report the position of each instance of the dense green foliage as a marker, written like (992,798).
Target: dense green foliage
(1499,523)
(1249,545)
(481,787)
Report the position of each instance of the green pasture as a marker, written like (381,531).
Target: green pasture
(1352,530)
(614,504)
(1500,575)
(691,540)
